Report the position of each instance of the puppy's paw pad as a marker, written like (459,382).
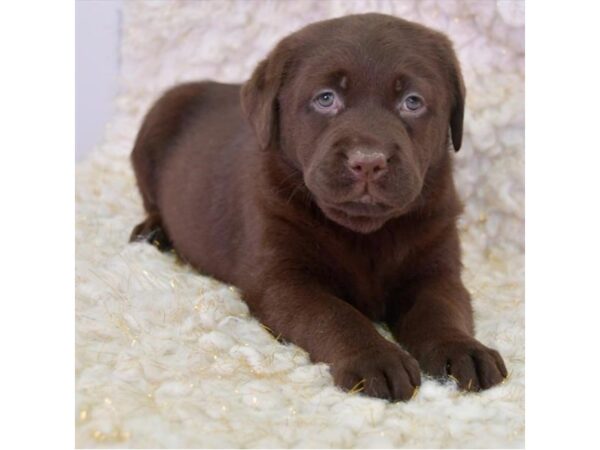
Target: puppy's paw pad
(151,231)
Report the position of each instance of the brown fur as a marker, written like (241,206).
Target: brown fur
(260,195)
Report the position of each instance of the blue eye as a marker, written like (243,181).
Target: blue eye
(325,99)
(413,103)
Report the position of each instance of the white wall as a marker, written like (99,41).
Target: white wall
(97,35)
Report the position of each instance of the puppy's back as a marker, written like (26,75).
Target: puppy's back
(165,122)
(188,160)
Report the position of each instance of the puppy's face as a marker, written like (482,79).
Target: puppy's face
(361,106)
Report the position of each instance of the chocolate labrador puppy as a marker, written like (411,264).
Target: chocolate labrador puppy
(323,189)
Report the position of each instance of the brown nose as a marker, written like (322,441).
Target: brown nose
(366,165)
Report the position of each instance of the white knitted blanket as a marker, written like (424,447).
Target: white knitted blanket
(166,357)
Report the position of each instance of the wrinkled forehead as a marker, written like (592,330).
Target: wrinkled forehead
(369,64)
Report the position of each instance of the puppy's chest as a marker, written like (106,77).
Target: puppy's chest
(364,277)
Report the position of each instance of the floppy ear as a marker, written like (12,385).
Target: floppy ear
(259,97)
(458,108)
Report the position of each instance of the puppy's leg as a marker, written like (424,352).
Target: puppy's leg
(438,330)
(151,230)
(332,331)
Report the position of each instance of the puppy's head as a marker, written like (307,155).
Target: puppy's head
(363,106)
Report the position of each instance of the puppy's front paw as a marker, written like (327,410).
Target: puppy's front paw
(386,372)
(470,363)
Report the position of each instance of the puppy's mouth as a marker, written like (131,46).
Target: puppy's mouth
(367,207)
(363,208)
(364,215)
